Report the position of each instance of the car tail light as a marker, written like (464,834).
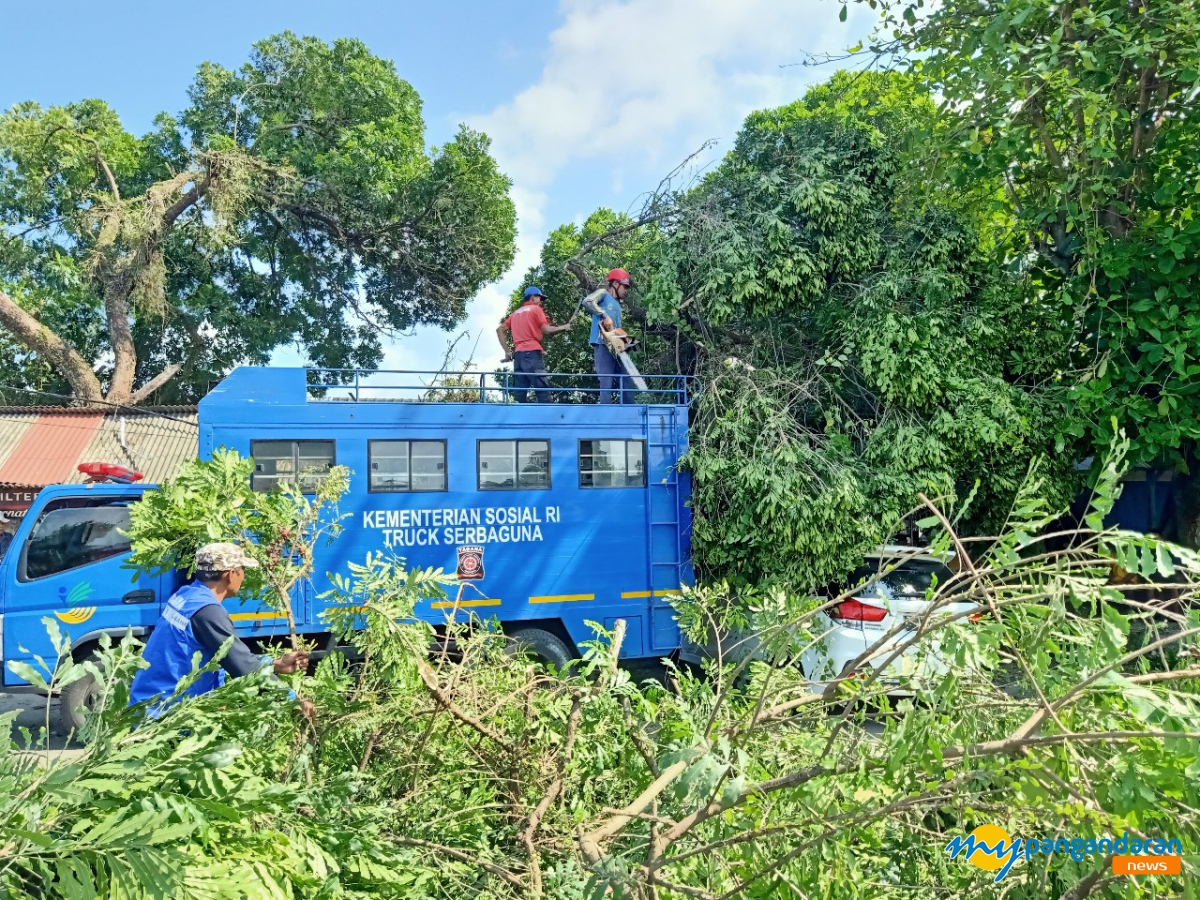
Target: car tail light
(857,611)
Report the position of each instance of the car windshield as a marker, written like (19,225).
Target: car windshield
(909,579)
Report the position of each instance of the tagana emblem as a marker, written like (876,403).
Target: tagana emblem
(470,563)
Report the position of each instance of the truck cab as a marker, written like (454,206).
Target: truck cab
(67,561)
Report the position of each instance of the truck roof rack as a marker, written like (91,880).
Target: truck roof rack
(472,386)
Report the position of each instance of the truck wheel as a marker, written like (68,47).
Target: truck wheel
(541,645)
(75,698)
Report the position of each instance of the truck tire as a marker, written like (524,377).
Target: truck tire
(540,645)
(75,697)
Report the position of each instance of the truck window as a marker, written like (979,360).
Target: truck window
(514,465)
(70,533)
(303,463)
(612,464)
(407,466)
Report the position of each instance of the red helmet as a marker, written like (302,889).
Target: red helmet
(619,275)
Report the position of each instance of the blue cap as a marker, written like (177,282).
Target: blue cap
(533,292)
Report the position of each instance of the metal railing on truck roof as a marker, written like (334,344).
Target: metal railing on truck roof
(427,386)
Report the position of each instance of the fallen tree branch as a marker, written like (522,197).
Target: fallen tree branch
(506,876)
(429,677)
(590,842)
(556,787)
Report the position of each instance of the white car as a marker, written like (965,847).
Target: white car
(897,582)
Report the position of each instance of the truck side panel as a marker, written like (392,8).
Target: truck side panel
(581,546)
(570,553)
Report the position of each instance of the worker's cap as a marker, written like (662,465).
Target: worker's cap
(223,558)
(533,292)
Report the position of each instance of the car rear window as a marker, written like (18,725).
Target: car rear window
(911,578)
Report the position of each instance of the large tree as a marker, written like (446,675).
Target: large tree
(853,337)
(293,201)
(1084,113)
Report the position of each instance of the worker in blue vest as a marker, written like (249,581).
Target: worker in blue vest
(605,307)
(195,621)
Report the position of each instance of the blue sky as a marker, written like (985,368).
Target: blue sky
(588,102)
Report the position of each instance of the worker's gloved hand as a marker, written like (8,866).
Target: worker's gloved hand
(294,661)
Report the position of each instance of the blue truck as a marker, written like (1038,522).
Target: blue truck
(554,513)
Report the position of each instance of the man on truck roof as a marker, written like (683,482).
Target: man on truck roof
(605,307)
(529,324)
(195,621)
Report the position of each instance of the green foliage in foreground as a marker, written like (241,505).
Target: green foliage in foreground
(214,799)
(1070,709)
(214,500)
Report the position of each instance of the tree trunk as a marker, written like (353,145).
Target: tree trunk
(120,338)
(37,337)
(118,278)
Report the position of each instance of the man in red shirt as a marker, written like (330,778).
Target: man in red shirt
(529,324)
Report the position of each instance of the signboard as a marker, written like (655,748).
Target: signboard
(14,502)
(474,525)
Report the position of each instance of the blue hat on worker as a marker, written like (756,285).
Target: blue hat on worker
(533,292)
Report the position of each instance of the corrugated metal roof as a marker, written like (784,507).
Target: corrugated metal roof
(152,445)
(44,445)
(48,449)
(93,410)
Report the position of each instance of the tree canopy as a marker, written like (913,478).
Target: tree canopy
(853,335)
(1083,114)
(292,201)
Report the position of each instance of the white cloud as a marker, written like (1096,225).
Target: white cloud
(627,79)
(630,87)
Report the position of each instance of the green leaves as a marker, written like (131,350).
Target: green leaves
(435,769)
(132,816)
(294,204)
(1077,124)
(852,330)
(213,500)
